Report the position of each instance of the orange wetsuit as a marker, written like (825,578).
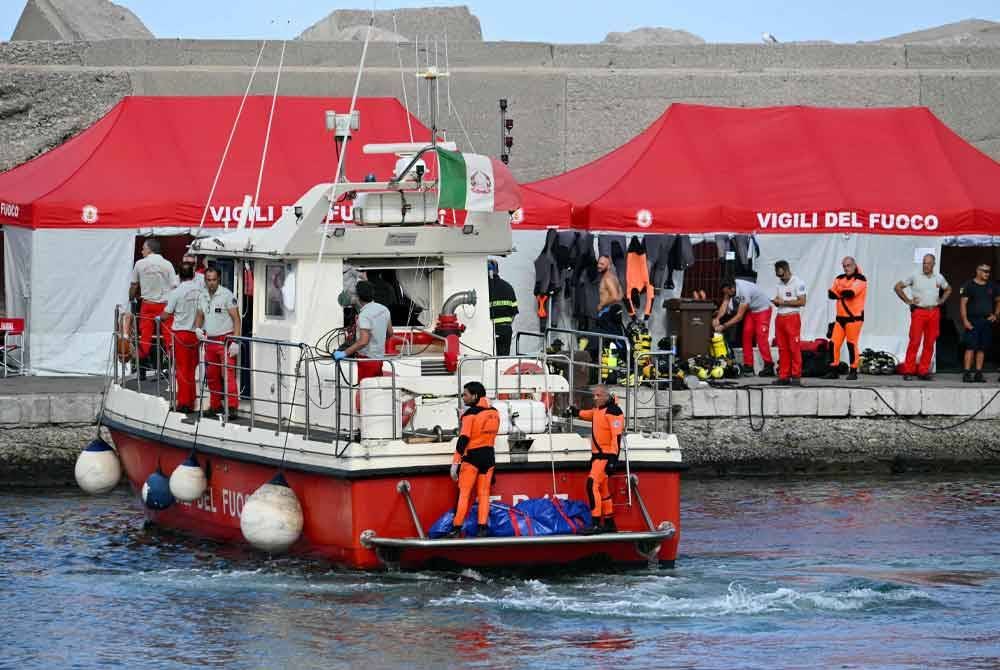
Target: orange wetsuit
(608,424)
(849,292)
(474,451)
(637,278)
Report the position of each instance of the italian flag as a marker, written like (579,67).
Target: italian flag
(475,183)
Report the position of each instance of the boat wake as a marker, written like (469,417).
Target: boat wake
(737,599)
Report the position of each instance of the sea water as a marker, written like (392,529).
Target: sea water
(891,573)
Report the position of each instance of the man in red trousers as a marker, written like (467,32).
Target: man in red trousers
(789,301)
(928,291)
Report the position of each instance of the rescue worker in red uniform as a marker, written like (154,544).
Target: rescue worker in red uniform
(849,290)
(219,317)
(153,278)
(474,460)
(608,425)
(183,304)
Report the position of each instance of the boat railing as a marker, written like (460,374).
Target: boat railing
(350,422)
(643,370)
(514,368)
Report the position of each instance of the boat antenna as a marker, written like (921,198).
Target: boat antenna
(232,133)
(341,158)
(267,134)
(402,79)
(416,65)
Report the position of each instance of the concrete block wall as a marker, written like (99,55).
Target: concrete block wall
(571,103)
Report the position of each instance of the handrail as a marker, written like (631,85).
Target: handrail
(338,428)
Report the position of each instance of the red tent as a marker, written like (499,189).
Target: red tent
(150,161)
(780,169)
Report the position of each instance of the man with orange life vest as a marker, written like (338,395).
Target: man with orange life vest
(474,460)
(849,290)
(608,425)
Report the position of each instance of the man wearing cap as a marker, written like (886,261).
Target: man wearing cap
(218,315)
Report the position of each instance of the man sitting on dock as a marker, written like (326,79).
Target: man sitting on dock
(608,425)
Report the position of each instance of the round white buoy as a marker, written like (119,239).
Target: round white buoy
(156,492)
(271,519)
(188,481)
(97,468)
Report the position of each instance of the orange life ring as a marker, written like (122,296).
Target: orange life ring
(532,368)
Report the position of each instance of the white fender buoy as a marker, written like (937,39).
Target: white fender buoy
(271,519)
(188,481)
(156,491)
(98,469)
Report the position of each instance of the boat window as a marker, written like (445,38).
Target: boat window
(279,290)
(406,287)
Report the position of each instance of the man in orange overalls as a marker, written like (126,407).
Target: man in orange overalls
(474,460)
(849,290)
(608,424)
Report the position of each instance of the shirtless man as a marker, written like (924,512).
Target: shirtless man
(609,308)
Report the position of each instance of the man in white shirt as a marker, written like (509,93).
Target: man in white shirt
(753,305)
(153,278)
(928,291)
(199,270)
(218,315)
(183,304)
(789,300)
(373,329)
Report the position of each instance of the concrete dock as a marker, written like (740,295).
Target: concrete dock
(877,425)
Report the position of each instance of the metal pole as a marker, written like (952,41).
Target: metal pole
(670,386)
(404,488)
(634,485)
(225,380)
(159,352)
(277,371)
(302,353)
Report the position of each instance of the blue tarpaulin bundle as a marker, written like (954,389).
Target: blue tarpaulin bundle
(540,516)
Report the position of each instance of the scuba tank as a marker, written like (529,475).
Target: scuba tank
(609,363)
(718,347)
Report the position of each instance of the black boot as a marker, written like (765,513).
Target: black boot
(455,531)
(832,374)
(767,370)
(852,376)
(482,530)
(609,525)
(595,528)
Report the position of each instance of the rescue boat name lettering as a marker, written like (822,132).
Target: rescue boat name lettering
(206,502)
(850,220)
(9,210)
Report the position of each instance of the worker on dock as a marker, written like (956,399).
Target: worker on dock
(608,425)
(849,290)
(474,459)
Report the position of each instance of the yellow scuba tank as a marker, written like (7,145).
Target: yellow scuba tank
(718,348)
(609,361)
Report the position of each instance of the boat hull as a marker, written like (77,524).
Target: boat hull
(338,509)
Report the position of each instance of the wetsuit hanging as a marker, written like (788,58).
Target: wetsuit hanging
(658,248)
(637,279)
(546,282)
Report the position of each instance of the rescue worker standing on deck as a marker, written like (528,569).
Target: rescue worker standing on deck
(218,315)
(474,460)
(608,425)
(849,290)
(183,305)
(153,278)
(503,309)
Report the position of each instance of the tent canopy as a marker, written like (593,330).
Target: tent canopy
(150,161)
(703,169)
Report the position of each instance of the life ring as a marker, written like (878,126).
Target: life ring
(527,368)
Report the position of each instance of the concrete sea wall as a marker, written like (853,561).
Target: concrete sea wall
(571,103)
